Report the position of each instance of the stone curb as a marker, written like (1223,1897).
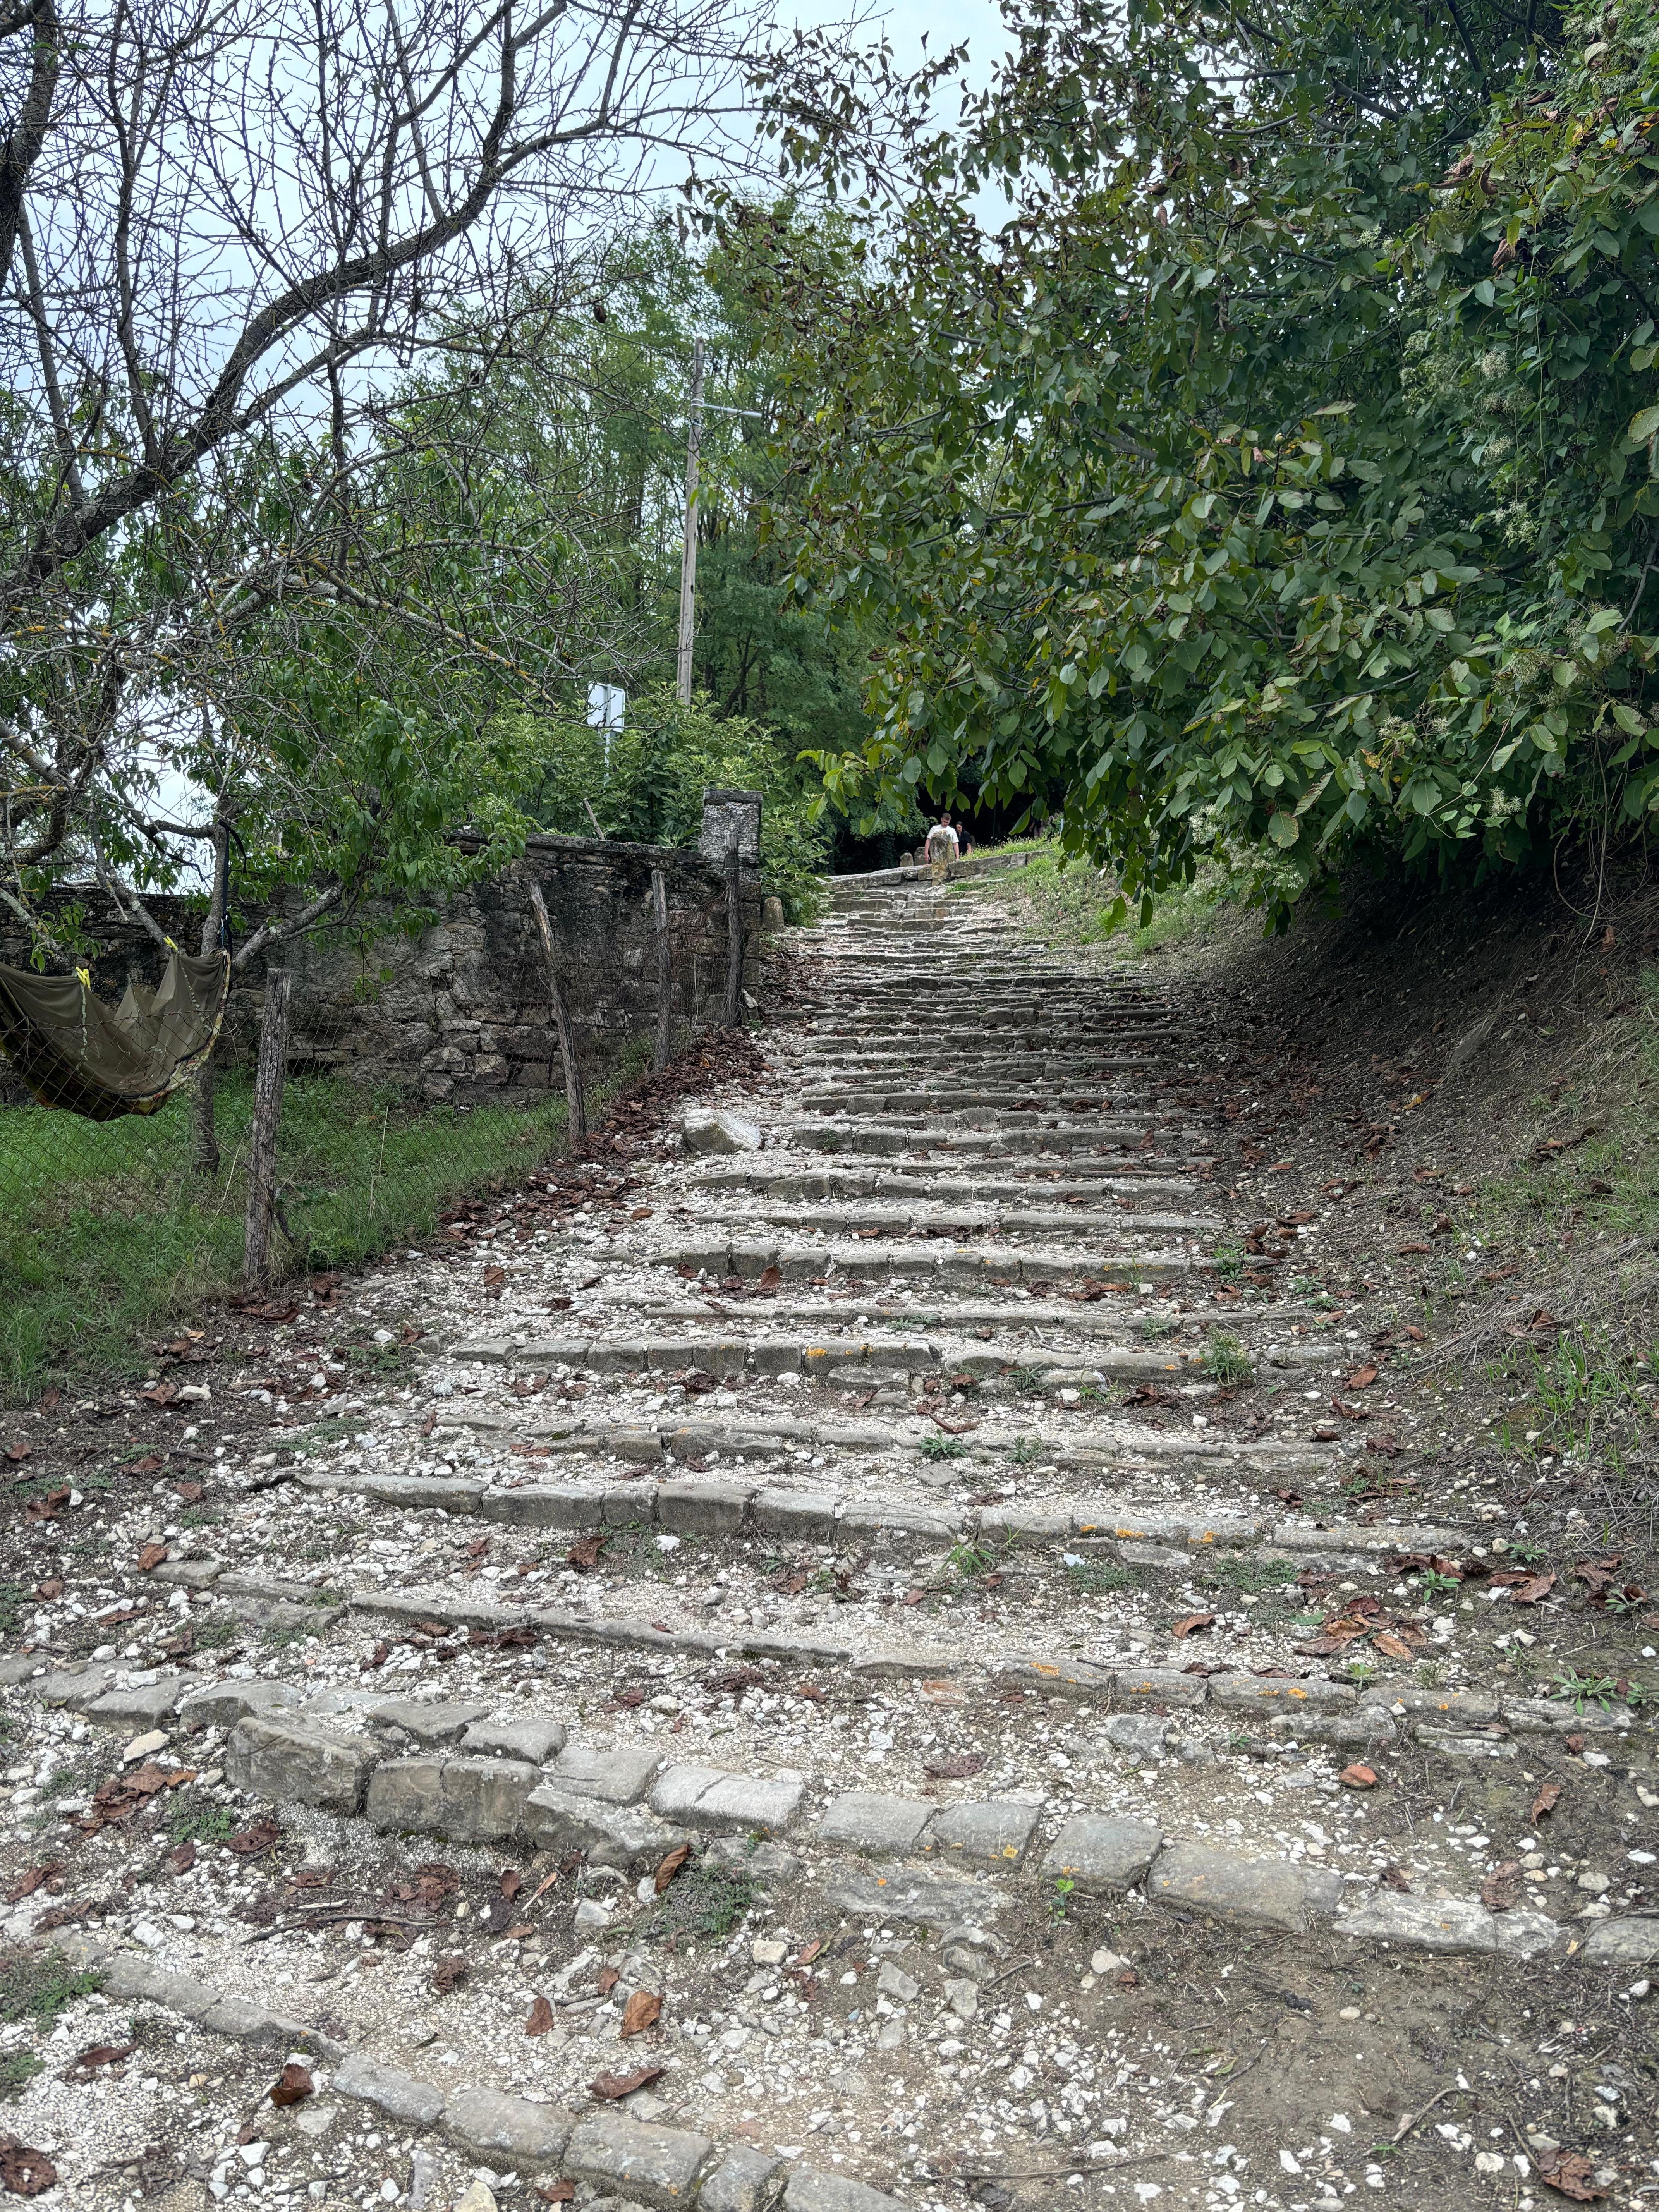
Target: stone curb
(589,1799)
(764,1356)
(730,1508)
(663,2168)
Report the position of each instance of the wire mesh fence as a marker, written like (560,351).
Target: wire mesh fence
(107,1233)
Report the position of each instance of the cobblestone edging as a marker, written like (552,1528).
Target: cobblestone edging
(663,2168)
(475,1780)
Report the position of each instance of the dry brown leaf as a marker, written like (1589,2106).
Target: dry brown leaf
(449,1975)
(1358,1776)
(1501,1889)
(151,1557)
(1361,1379)
(1568,2173)
(958,1769)
(24,2172)
(540,2021)
(292,2086)
(1393,1877)
(558,2193)
(100,2054)
(258,1836)
(584,1553)
(642,2010)
(1190,1623)
(1534,1588)
(512,1881)
(181,1860)
(1389,1645)
(624,2084)
(1548,1797)
(669,1867)
(606,1979)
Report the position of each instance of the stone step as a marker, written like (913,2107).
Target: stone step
(900,1355)
(971,1224)
(471,1771)
(962,1262)
(762,1175)
(1019,1138)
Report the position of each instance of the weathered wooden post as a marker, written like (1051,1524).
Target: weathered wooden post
(665,973)
(267,1119)
(575,1106)
(733,933)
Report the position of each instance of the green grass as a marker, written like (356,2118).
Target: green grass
(1249,1574)
(17,2070)
(200,1823)
(39,1986)
(944,1447)
(706,1900)
(1100,1578)
(1073,904)
(1225,1359)
(106,1238)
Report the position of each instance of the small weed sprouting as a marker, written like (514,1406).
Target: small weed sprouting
(1527,1553)
(215,1634)
(971,1560)
(13,1598)
(1228,1262)
(1226,1361)
(1431,1584)
(937,1447)
(39,1986)
(1100,1578)
(1430,1674)
(188,1823)
(1025,1452)
(1583,1689)
(705,1900)
(1157,1325)
(1060,1903)
(1025,1380)
(201,1517)
(17,2070)
(1249,1574)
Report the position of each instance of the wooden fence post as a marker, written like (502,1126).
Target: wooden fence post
(733,931)
(267,1119)
(575,1106)
(665,973)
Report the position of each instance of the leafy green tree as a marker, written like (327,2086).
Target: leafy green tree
(1277,480)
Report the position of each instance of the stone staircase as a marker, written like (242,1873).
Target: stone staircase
(891,1533)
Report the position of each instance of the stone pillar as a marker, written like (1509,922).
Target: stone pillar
(730,817)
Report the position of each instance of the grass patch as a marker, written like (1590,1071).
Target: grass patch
(17,2070)
(944,1447)
(38,1987)
(106,1238)
(1249,1574)
(1225,1359)
(1072,905)
(200,1823)
(1100,1578)
(706,1901)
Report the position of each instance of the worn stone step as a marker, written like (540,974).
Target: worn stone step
(1020,1137)
(968,1223)
(760,1175)
(726,1355)
(959,1262)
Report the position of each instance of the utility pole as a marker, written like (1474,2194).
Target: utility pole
(688,557)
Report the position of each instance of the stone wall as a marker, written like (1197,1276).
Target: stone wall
(462,1011)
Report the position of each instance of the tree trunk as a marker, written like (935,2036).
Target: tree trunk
(733,933)
(665,973)
(575,1108)
(267,1119)
(203,1133)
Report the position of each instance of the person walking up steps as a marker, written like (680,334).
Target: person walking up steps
(941,847)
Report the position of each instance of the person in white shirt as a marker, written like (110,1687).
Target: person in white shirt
(942,847)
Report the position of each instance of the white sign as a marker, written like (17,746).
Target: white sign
(605,707)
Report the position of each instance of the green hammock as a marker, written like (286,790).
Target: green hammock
(73,1051)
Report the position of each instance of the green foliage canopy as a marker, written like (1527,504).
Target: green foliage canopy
(1279,478)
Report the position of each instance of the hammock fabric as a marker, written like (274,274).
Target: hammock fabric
(73,1051)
